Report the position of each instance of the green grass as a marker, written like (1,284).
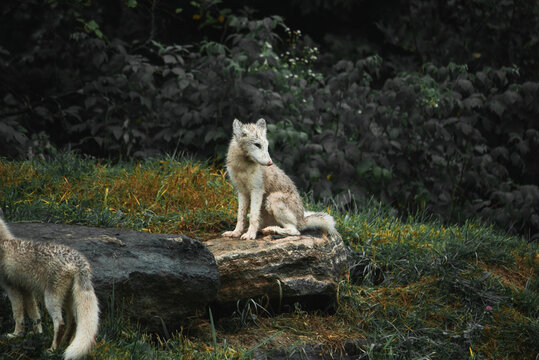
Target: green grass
(447,291)
(418,288)
(156,196)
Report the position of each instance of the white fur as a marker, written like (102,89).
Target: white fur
(264,190)
(86,316)
(59,273)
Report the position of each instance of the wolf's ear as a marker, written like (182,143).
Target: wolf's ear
(236,127)
(261,123)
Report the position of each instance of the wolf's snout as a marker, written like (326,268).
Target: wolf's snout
(270,163)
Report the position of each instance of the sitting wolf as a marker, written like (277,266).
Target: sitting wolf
(59,273)
(265,190)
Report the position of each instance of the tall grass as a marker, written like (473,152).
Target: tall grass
(185,197)
(418,288)
(439,291)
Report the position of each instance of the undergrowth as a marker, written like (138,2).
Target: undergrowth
(417,289)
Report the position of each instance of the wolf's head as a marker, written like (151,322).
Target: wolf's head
(252,139)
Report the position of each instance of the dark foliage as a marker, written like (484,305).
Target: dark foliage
(457,139)
(477,33)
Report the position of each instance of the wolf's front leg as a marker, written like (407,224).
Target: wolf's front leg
(30,306)
(17,306)
(242,214)
(254,215)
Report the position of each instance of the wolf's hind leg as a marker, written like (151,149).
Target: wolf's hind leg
(277,206)
(33,312)
(17,306)
(53,303)
(287,231)
(65,338)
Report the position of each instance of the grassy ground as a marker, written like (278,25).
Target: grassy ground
(419,289)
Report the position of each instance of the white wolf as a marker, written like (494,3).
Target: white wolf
(63,276)
(265,190)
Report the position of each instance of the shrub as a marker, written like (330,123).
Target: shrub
(443,138)
(478,33)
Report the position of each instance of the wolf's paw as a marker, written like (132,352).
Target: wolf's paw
(270,230)
(249,235)
(233,234)
(276,230)
(36,330)
(14,335)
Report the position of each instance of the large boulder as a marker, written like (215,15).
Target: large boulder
(168,278)
(305,268)
(159,278)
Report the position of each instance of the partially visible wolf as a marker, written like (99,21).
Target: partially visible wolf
(63,276)
(264,190)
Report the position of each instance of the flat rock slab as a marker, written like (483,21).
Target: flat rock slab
(159,277)
(294,268)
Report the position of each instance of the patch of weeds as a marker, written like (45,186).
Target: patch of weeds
(187,197)
(248,312)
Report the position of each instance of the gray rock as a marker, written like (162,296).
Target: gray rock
(305,268)
(159,277)
(168,278)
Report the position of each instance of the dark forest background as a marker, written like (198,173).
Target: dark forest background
(421,104)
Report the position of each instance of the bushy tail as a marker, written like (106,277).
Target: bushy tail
(322,221)
(86,315)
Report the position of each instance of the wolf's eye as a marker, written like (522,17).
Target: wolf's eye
(258,145)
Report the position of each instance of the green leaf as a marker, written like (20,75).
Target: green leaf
(364,166)
(92,25)
(473,101)
(511,97)
(465,85)
(497,107)
(9,99)
(170,59)
(131,3)
(159,45)
(386,174)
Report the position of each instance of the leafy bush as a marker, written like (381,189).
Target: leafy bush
(453,141)
(478,33)
(123,103)
(410,33)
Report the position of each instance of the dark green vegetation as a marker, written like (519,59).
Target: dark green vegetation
(418,288)
(425,105)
